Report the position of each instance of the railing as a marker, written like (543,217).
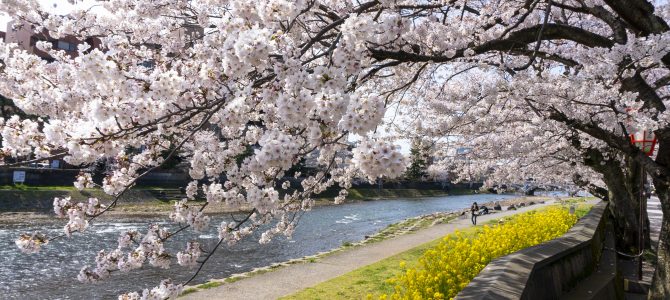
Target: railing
(545,271)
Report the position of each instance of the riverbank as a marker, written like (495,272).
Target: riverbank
(286,278)
(20,203)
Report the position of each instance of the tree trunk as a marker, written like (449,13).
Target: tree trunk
(624,194)
(625,212)
(622,178)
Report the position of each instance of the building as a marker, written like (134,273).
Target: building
(24,36)
(22,33)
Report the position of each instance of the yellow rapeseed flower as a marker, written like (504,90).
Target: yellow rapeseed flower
(446,269)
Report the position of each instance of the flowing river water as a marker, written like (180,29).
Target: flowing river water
(51,273)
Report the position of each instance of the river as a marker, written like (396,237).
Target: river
(51,273)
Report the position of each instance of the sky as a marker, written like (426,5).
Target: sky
(59,7)
(63,7)
(3,21)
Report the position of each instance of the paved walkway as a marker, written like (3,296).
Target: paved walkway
(655,219)
(293,278)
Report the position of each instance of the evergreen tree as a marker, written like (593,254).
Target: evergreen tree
(419,160)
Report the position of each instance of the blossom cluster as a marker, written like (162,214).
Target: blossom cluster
(191,215)
(364,115)
(277,150)
(165,290)
(22,137)
(83,181)
(377,158)
(31,243)
(77,213)
(230,235)
(190,256)
(150,247)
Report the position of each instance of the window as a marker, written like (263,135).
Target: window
(66,46)
(149,64)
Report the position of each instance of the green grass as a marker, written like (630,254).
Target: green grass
(576,200)
(22,192)
(650,256)
(360,282)
(188,291)
(373,193)
(464,191)
(209,285)
(23,187)
(233,279)
(409,224)
(582,209)
(204,286)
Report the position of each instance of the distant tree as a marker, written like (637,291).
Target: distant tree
(419,160)
(171,161)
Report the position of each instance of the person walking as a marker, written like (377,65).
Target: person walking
(474,209)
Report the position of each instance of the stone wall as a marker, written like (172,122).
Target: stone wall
(548,270)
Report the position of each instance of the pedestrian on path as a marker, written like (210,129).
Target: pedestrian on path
(474,209)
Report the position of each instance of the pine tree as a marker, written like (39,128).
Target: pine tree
(419,160)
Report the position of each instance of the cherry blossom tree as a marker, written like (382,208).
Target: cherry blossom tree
(288,78)
(592,70)
(240,89)
(510,143)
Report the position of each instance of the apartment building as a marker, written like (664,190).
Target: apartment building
(23,35)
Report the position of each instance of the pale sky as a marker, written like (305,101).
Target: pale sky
(63,7)
(59,7)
